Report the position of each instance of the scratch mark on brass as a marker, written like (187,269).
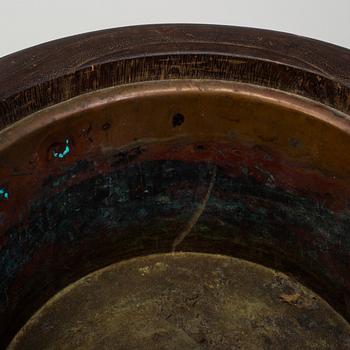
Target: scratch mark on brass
(197,214)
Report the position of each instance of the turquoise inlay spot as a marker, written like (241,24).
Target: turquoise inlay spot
(3,194)
(64,153)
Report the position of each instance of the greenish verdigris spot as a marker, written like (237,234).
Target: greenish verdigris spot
(65,152)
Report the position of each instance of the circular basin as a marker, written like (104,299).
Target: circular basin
(175,186)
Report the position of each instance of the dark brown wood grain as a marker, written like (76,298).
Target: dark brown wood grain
(56,71)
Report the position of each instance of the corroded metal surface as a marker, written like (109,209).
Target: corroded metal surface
(185,301)
(80,198)
(235,160)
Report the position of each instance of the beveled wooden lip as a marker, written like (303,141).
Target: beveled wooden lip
(56,71)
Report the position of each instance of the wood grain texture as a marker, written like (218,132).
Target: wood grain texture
(47,74)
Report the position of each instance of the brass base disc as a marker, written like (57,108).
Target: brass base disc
(185,301)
